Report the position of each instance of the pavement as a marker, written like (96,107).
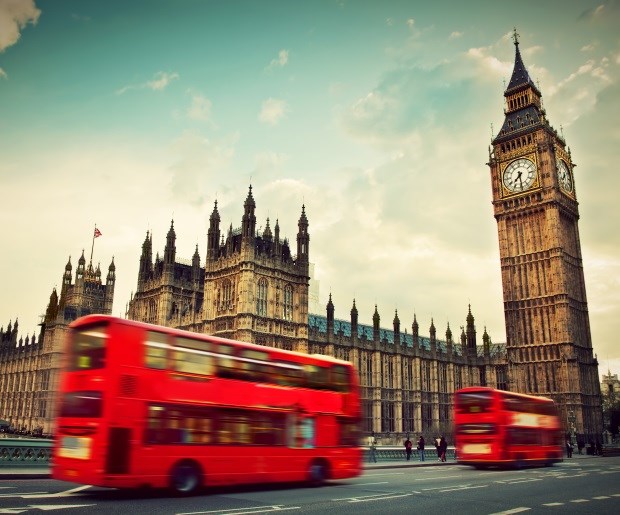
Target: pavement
(30,472)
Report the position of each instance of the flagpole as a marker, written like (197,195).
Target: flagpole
(93,245)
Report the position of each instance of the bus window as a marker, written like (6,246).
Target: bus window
(349,432)
(474,402)
(255,365)
(268,428)
(81,404)
(155,348)
(340,378)
(233,428)
(191,361)
(317,377)
(288,374)
(88,348)
(226,361)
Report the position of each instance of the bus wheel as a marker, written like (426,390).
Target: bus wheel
(185,478)
(317,474)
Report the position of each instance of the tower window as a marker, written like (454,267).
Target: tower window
(261,298)
(288,302)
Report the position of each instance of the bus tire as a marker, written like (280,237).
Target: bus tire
(185,478)
(317,473)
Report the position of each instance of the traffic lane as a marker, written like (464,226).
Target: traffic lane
(380,491)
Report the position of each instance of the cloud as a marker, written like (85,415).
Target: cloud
(272,111)
(410,23)
(14,16)
(200,108)
(279,62)
(455,35)
(160,81)
(602,13)
(201,162)
(3,74)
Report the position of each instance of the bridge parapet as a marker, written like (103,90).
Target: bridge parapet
(24,452)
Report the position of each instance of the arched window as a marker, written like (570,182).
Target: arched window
(261,298)
(227,294)
(288,302)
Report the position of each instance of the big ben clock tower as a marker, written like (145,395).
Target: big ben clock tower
(549,345)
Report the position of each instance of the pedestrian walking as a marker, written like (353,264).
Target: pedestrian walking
(436,443)
(421,447)
(372,447)
(408,448)
(569,448)
(443,447)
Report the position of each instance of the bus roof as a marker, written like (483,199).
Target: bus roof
(94,319)
(523,396)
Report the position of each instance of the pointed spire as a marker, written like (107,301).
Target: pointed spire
(520,77)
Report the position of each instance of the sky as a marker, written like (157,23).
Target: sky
(376,116)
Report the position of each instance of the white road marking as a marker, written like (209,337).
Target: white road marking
(238,511)
(440,477)
(529,480)
(372,497)
(553,504)
(21,495)
(48,507)
(366,484)
(66,493)
(514,510)
(462,488)
(579,500)
(388,474)
(381,498)
(598,497)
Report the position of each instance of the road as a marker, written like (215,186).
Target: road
(578,486)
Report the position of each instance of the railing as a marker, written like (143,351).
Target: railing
(386,454)
(20,452)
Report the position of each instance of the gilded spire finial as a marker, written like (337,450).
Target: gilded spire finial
(515,36)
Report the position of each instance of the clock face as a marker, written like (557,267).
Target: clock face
(519,175)
(564,176)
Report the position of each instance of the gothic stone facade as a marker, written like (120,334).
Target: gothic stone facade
(252,289)
(30,368)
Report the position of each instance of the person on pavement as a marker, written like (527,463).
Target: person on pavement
(421,447)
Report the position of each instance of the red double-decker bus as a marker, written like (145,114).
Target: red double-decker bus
(142,405)
(499,428)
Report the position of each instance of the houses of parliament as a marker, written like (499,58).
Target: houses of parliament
(254,286)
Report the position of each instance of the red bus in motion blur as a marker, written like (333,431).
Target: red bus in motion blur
(499,428)
(142,405)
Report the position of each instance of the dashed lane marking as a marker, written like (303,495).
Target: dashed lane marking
(372,497)
(244,511)
(514,510)
(579,500)
(553,504)
(598,497)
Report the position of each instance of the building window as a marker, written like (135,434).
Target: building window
(408,416)
(288,302)
(387,417)
(261,298)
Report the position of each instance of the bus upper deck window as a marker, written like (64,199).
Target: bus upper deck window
(88,348)
(340,378)
(156,349)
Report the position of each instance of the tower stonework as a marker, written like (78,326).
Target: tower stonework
(30,368)
(251,288)
(549,347)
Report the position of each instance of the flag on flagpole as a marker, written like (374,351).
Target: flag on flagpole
(97,233)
